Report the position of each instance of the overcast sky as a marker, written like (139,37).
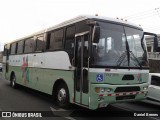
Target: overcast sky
(19,18)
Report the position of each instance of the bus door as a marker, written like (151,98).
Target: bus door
(81,68)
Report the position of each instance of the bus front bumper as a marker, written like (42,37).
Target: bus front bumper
(103,94)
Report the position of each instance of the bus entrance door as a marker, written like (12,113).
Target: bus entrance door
(81,69)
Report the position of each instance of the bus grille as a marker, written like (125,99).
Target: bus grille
(125,97)
(127,89)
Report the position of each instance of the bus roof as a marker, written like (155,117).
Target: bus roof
(78,19)
(84,17)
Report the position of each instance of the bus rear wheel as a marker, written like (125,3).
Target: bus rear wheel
(13,81)
(62,96)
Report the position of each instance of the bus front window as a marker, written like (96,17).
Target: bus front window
(111,47)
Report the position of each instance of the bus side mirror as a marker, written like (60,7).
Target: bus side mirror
(155,44)
(96,34)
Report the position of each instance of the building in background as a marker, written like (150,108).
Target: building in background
(149,41)
(154,57)
(1,57)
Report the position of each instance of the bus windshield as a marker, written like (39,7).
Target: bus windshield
(119,46)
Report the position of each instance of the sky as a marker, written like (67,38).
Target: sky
(19,18)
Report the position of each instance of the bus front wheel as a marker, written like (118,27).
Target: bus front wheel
(13,81)
(62,96)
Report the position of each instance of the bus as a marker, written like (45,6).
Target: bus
(91,61)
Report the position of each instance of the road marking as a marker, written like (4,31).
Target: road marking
(60,109)
(70,118)
(154,118)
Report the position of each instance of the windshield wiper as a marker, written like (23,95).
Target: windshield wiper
(123,56)
(127,52)
(143,47)
(136,59)
(120,60)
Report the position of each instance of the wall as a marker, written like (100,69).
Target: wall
(154,66)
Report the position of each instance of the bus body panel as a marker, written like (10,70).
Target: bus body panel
(119,76)
(31,73)
(120,92)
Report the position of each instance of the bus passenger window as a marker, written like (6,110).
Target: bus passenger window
(29,45)
(39,43)
(20,47)
(5,51)
(69,41)
(48,41)
(56,40)
(13,48)
(16,48)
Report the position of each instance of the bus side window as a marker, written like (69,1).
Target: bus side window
(20,47)
(29,45)
(48,41)
(13,49)
(5,51)
(81,27)
(40,43)
(56,40)
(69,41)
(16,48)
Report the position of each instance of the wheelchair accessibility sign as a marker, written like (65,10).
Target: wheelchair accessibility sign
(99,78)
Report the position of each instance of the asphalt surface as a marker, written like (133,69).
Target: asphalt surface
(23,99)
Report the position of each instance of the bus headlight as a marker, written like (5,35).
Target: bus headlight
(145,87)
(108,89)
(102,90)
(99,90)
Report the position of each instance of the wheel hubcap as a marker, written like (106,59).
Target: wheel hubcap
(13,81)
(62,95)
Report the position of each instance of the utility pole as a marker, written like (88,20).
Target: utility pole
(157,10)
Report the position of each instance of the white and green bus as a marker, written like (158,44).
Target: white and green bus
(90,61)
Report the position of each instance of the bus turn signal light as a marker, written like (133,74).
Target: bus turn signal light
(97,89)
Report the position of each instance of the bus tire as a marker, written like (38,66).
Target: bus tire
(13,81)
(62,96)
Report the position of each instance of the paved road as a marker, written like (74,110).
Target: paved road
(24,99)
